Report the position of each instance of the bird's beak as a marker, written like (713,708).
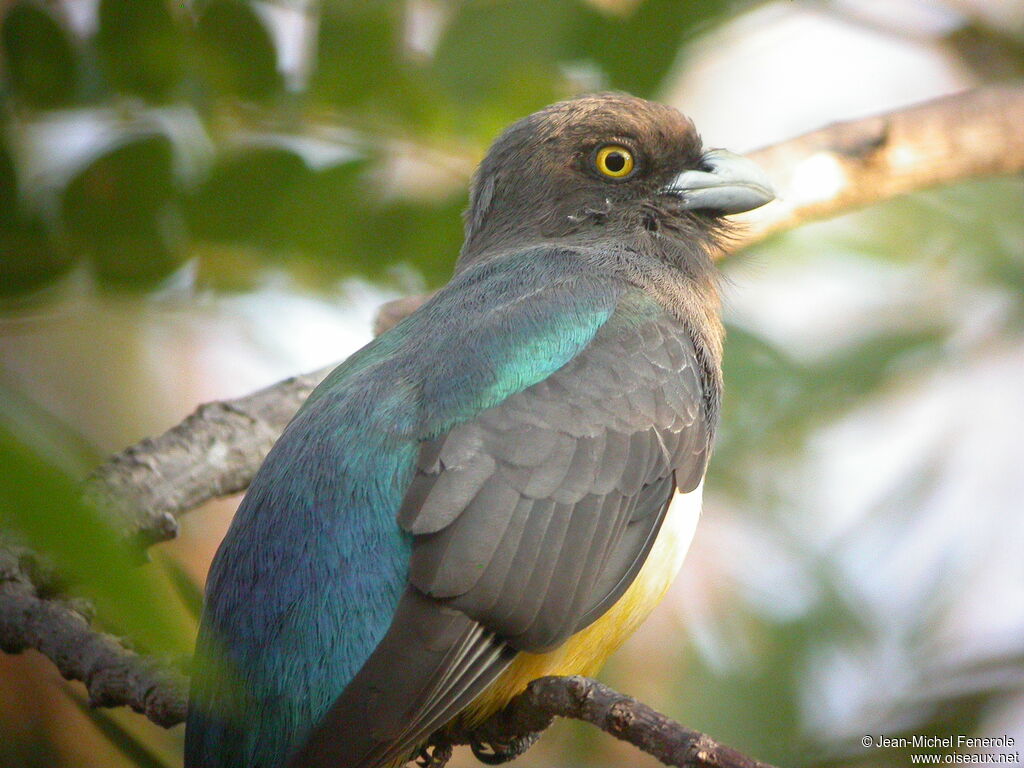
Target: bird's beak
(732,184)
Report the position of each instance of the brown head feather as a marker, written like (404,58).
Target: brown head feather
(538,183)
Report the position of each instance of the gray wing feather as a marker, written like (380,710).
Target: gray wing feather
(432,662)
(529,522)
(584,464)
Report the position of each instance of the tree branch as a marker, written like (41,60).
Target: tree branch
(581,698)
(849,165)
(216,450)
(59,629)
(212,453)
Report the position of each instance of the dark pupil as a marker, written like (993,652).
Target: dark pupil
(615,161)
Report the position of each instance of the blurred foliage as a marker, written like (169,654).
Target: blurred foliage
(802,394)
(132,184)
(237,54)
(140,48)
(39,57)
(126,206)
(42,506)
(177,135)
(130,745)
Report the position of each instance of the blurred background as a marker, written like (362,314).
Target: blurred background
(200,198)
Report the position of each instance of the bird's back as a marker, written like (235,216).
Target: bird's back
(304,585)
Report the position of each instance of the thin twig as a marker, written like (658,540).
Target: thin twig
(621,716)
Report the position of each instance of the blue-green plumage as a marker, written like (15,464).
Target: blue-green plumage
(307,580)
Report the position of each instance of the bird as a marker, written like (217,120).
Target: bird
(503,485)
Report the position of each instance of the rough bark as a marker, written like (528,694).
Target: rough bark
(114,675)
(581,698)
(212,453)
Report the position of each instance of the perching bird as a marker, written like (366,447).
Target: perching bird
(503,485)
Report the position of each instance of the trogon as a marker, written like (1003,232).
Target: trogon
(503,485)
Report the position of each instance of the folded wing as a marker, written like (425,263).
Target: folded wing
(529,521)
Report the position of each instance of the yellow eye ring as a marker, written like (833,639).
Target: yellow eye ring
(614,161)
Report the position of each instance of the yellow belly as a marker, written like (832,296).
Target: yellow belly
(585,652)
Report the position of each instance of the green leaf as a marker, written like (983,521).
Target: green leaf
(39,56)
(10,204)
(243,188)
(335,218)
(121,211)
(237,52)
(425,235)
(322,216)
(141,48)
(44,506)
(357,54)
(489,45)
(30,257)
(362,69)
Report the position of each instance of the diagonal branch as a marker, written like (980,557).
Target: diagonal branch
(212,453)
(853,164)
(581,698)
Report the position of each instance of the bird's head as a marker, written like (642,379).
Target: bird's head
(606,165)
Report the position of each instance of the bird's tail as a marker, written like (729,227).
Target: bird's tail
(431,664)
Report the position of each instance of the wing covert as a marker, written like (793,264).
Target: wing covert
(534,517)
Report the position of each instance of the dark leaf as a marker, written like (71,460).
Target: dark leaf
(141,48)
(490,46)
(236,200)
(10,208)
(357,53)
(237,53)
(322,216)
(424,235)
(121,211)
(361,67)
(30,258)
(39,56)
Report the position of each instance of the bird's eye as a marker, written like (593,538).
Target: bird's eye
(615,161)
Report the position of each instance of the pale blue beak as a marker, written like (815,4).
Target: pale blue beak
(732,184)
